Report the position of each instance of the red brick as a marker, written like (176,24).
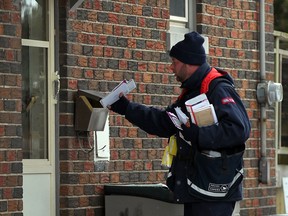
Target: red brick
(131,43)
(128,165)
(82,61)
(148,165)
(162,25)
(83,201)
(88,166)
(72,84)
(14,205)
(113,18)
(141,22)
(132,132)
(104,178)
(127,31)
(88,74)
(78,190)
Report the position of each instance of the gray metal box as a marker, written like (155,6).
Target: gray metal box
(89,113)
(141,200)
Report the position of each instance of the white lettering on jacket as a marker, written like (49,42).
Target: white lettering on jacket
(227,100)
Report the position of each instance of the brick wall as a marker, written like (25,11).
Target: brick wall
(10,109)
(232,27)
(104,42)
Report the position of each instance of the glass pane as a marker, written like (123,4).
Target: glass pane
(284,103)
(34,16)
(34,95)
(177,8)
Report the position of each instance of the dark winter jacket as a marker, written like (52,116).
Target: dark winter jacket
(231,132)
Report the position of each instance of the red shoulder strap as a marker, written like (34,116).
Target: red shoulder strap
(207,80)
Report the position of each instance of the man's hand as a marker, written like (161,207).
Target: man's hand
(191,132)
(120,106)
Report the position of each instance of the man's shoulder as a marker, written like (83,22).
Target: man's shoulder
(219,82)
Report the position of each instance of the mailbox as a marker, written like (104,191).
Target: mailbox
(141,199)
(89,113)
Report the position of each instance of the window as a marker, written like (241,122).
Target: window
(284,105)
(281,68)
(182,21)
(179,10)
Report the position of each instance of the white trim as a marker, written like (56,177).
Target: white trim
(182,137)
(51,108)
(36,166)
(176,24)
(281,51)
(178,19)
(35,43)
(212,194)
(282,150)
(282,35)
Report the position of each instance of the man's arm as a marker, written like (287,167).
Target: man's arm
(150,119)
(233,127)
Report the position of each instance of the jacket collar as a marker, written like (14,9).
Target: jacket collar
(195,80)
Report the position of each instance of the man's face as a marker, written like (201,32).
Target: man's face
(179,69)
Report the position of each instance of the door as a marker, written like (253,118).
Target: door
(38,107)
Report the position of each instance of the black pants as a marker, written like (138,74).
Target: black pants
(209,208)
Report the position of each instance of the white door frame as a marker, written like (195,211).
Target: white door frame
(41,172)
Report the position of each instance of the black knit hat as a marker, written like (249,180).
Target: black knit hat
(190,50)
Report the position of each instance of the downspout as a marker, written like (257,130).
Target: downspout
(264,165)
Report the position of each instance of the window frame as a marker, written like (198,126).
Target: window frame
(189,21)
(180,26)
(279,53)
(181,19)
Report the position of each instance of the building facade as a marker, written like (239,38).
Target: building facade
(53,51)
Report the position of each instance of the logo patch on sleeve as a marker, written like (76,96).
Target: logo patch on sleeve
(228,100)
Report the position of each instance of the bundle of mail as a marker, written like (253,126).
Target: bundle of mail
(124,87)
(202,113)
